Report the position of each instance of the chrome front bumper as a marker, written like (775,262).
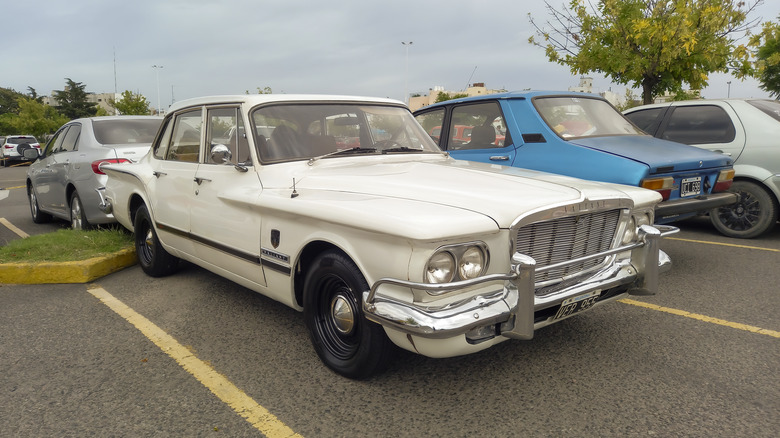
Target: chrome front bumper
(513,306)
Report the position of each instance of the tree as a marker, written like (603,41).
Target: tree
(8,98)
(34,118)
(655,45)
(73,101)
(767,65)
(131,104)
(443,97)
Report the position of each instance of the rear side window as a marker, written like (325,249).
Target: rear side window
(71,141)
(185,142)
(699,124)
(647,120)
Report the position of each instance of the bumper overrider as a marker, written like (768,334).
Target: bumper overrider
(513,309)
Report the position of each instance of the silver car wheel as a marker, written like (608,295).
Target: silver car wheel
(76,221)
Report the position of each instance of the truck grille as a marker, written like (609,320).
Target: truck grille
(567,238)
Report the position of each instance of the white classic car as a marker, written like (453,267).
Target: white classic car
(343,208)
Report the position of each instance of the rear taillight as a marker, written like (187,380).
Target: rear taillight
(96,164)
(725,178)
(663,185)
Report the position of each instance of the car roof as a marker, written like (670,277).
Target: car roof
(257,99)
(527,94)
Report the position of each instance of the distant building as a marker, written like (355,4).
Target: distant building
(102,99)
(475,89)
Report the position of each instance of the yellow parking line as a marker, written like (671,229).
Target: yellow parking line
(723,244)
(13,228)
(736,325)
(218,384)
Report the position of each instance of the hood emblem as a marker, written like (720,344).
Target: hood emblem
(701,163)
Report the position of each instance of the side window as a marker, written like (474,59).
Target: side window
(185,141)
(226,137)
(71,140)
(55,144)
(431,121)
(477,126)
(161,147)
(699,124)
(647,120)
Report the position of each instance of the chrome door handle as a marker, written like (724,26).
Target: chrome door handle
(499,158)
(158,174)
(199,180)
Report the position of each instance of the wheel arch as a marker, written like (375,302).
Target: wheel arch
(304,263)
(774,195)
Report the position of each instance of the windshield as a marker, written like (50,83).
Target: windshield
(575,117)
(299,131)
(126,131)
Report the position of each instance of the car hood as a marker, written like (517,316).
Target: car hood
(656,153)
(474,197)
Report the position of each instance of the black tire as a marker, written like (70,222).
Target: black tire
(78,219)
(38,216)
(343,338)
(153,258)
(751,216)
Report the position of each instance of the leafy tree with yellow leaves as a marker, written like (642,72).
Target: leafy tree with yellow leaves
(655,45)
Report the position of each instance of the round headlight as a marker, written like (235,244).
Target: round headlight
(643,219)
(440,268)
(471,263)
(630,233)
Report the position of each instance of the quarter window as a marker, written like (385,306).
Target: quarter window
(699,124)
(431,121)
(647,120)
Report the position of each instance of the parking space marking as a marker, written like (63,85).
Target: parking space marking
(707,242)
(736,325)
(13,228)
(218,384)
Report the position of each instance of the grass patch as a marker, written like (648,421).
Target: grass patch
(65,246)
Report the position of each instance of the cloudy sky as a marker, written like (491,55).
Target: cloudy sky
(293,46)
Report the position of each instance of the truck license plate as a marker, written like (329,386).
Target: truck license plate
(572,305)
(690,187)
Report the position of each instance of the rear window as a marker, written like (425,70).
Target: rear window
(770,107)
(21,139)
(119,131)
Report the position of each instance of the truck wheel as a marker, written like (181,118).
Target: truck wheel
(343,338)
(752,215)
(153,258)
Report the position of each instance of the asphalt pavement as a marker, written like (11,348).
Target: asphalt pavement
(194,354)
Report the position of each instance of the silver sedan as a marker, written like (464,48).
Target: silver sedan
(62,182)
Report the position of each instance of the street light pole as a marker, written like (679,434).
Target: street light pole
(406,81)
(157,73)
(728,94)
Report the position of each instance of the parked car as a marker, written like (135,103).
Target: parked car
(388,241)
(62,182)
(582,135)
(13,147)
(748,131)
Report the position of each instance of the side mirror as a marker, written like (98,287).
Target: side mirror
(220,154)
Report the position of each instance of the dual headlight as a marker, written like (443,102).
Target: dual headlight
(637,220)
(456,263)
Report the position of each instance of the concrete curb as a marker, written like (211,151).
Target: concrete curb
(83,271)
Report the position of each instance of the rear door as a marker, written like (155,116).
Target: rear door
(52,185)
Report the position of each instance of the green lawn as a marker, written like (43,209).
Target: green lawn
(65,245)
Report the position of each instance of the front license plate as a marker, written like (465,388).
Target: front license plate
(690,187)
(572,305)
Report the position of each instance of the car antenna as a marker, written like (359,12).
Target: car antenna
(294,192)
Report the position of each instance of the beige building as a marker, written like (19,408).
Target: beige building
(475,89)
(101,99)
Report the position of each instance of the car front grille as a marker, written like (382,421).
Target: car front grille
(561,239)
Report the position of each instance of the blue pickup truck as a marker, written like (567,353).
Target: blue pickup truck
(584,136)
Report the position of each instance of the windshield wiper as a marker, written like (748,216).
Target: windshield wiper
(401,149)
(354,150)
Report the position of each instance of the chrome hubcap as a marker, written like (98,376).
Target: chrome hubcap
(342,314)
(75,214)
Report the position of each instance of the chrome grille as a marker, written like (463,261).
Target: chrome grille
(567,238)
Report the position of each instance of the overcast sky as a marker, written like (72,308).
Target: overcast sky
(293,46)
